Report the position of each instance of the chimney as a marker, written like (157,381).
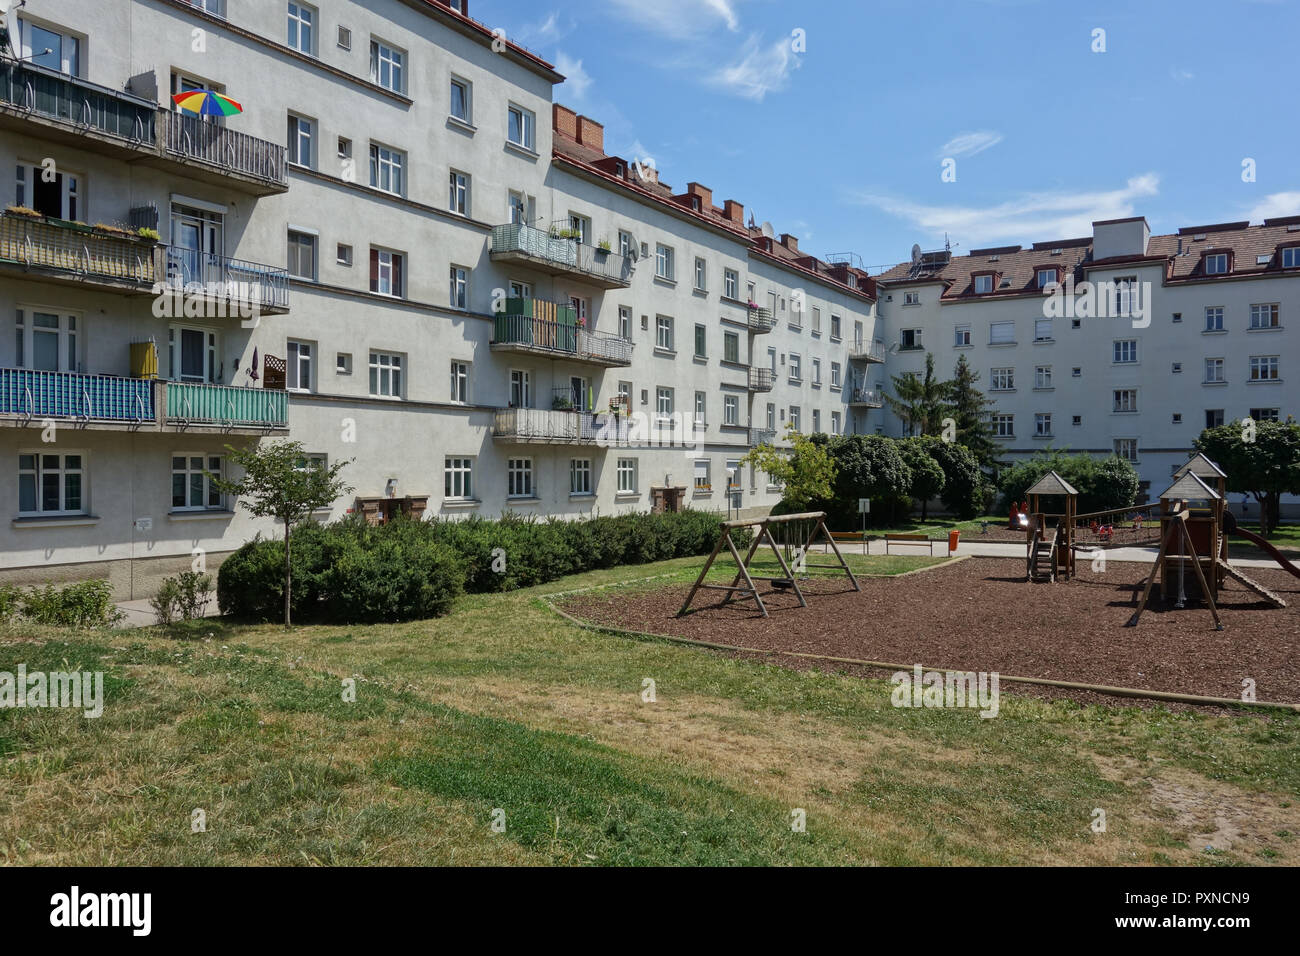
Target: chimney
(591,134)
(703,193)
(735,212)
(565,121)
(790,242)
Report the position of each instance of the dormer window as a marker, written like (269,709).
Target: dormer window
(1047,277)
(984,283)
(1291,257)
(1216,264)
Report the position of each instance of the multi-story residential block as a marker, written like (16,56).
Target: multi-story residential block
(1118,343)
(402,253)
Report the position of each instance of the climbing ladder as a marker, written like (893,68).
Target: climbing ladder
(1042,560)
(1237,575)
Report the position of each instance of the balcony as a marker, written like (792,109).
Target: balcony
(866,397)
(555,255)
(245,287)
(58,251)
(547,328)
(760,320)
(99,400)
(252,410)
(860,350)
(62,108)
(760,379)
(216,153)
(535,426)
(762,436)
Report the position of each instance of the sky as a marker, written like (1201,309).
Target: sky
(834,119)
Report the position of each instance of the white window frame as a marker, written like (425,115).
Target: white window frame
(1124,352)
(303,18)
(67,331)
(190,473)
(664,265)
(519,478)
(1265,368)
(467,99)
(387,374)
(459,372)
(1218,367)
(458,478)
(627,478)
(387,163)
(580,477)
(664,332)
(387,66)
(301,359)
(458,192)
(527,123)
(37,472)
(730,410)
(458,287)
(1269,311)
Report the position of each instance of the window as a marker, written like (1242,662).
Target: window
(627,476)
(1128,296)
(302,135)
(835,331)
(730,283)
(733,474)
(1002,333)
(1078,419)
(343,363)
(624,244)
(49,48)
(1004,426)
(1177,368)
(961,336)
(458,290)
(518,208)
(1214,318)
(460,382)
(192,485)
(458,193)
(701,339)
(817,321)
(59,197)
(581,227)
(521,392)
(1213,417)
(664,268)
(192,354)
(1042,330)
(344,38)
(460,101)
(385,375)
(1263,316)
(302,356)
(46,340)
(701,407)
(911,298)
(796,414)
(386,169)
(1043,425)
(458,479)
(701,275)
(1291,257)
(1076,372)
(909,339)
(730,410)
(664,332)
(796,367)
(836,377)
(1125,400)
(311,461)
(520,126)
(1046,277)
(1214,370)
(1043,376)
(835,423)
(983,284)
(386,272)
(386,66)
(579,476)
(771,416)
(51,484)
(625,322)
(1264,368)
(519,478)
(1265,414)
(817,421)
(1216,264)
(343,254)
(1125,351)
(817,373)
(302,255)
(302,28)
(701,473)
(1002,379)
(1126,448)
(730,347)
(664,402)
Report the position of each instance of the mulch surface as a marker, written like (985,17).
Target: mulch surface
(981,615)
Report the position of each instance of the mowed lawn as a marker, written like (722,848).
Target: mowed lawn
(504,706)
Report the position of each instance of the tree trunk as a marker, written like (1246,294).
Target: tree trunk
(925,504)
(1273,507)
(288,574)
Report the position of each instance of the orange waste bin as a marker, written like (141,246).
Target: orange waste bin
(952,540)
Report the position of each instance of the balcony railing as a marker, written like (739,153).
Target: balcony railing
(193,139)
(761,320)
(191,403)
(860,350)
(39,394)
(534,324)
(79,251)
(75,102)
(866,396)
(557,255)
(247,283)
(760,379)
(762,436)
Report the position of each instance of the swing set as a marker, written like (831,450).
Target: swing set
(814,520)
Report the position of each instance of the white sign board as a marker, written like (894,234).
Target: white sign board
(864,506)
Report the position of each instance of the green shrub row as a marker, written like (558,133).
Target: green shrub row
(86,604)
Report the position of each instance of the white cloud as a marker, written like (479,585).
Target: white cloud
(548,30)
(759,70)
(1034,217)
(680,19)
(1275,205)
(1179,75)
(969,144)
(576,80)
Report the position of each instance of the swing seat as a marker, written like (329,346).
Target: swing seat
(781,584)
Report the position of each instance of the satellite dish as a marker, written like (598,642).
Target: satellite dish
(916,253)
(768,231)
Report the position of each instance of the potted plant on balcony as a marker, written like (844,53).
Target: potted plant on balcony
(603,248)
(145,232)
(561,403)
(24,211)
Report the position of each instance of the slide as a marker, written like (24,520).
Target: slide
(1267,548)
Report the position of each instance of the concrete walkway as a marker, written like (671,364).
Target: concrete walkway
(140,614)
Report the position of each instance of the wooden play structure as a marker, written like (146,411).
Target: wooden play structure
(1049,552)
(816,520)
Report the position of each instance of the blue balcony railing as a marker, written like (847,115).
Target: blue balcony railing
(36,393)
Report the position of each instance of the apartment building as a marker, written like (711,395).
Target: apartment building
(402,253)
(1116,343)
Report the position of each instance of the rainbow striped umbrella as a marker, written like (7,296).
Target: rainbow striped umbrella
(206,103)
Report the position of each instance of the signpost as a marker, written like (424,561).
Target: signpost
(864,509)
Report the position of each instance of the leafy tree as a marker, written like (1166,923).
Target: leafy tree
(1265,468)
(1103,484)
(964,487)
(867,466)
(927,474)
(920,402)
(970,411)
(279,482)
(807,472)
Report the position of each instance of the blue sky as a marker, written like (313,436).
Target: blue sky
(843,143)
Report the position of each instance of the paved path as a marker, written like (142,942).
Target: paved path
(140,614)
(1010,549)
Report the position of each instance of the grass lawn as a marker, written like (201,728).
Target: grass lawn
(504,705)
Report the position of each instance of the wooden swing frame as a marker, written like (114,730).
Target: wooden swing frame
(1177,519)
(764,534)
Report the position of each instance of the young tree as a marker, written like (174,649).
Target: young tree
(279,482)
(970,412)
(921,402)
(807,473)
(1262,459)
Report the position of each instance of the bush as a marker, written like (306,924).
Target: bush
(184,596)
(867,466)
(1103,484)
(10,599)
(87,604)
(965,491)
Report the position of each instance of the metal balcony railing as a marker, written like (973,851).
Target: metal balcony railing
(516,240)
(866,396)
(760,379)
(36,393)
(761,320)
(56,96)
(192,403)
(860,350)
(561,427)
(537,324)
(195,139)
(250,283)
(762,436)
(77,250)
